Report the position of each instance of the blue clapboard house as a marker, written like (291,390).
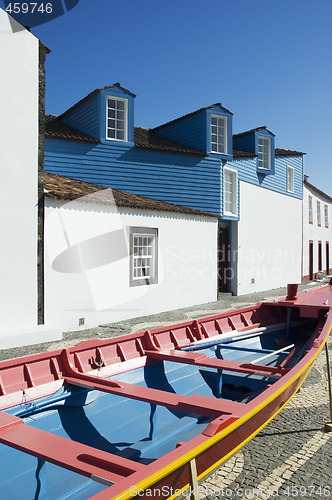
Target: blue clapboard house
(195,161)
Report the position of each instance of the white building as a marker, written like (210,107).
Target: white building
(269,239)
(19,147)
(317,233)
(111,255)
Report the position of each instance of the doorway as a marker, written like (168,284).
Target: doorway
(311,260)
(224,267)
(327,258)
(320,265)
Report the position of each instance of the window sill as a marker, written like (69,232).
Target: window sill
(144,282)
(265,171)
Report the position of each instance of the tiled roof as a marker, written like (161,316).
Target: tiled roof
(192,114)
(287,152)
(92,94)
(147,139)
(57,129)
(238,153)
(63,188)
(247,132)
(278,151)
(144,138)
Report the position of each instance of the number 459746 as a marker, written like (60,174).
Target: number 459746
(29,8)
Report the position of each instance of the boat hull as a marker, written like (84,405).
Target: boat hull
(271,346)
(211,454)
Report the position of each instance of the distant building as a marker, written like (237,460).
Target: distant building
(111,255)
(317,233)
(255,188)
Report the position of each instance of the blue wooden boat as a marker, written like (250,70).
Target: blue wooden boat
(150,414)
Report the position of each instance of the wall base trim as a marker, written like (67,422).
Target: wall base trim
(29,336)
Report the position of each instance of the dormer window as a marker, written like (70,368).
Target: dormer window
(264,153)
(218,134)
(117,119)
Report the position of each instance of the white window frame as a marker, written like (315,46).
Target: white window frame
(234,202)
(116,119)
(326,215)
(143,252)
(290,179)
(262,159)
(319,214)
(310,210)
(215,143)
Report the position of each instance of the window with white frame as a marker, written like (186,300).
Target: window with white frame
(230,192)
(319,217)
(290,179)
(326,215)
(264,153)
(311,219)
(219,134)
(143,256)
(116,121)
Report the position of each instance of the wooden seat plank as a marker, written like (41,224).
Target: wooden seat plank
(192,358)
(80,458)
(200,405)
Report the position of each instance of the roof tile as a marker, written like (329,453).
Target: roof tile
(148,139)
(57,129)
(63,188)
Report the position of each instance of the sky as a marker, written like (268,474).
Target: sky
(268,61)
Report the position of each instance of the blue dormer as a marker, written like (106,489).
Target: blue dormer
(219,132)
(208,129)
(107,114)
(117,115)
(261,142)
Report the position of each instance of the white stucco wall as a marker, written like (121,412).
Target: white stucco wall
(19,177)
(312,232)
(100,293)
(269,240)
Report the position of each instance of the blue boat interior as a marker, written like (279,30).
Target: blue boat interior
(134,429)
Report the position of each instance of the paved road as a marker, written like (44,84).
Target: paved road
(290,458)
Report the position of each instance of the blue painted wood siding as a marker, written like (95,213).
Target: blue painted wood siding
(190,131)
(247,171)
(195,130)
(181,179)
(86,117)
(245,143)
